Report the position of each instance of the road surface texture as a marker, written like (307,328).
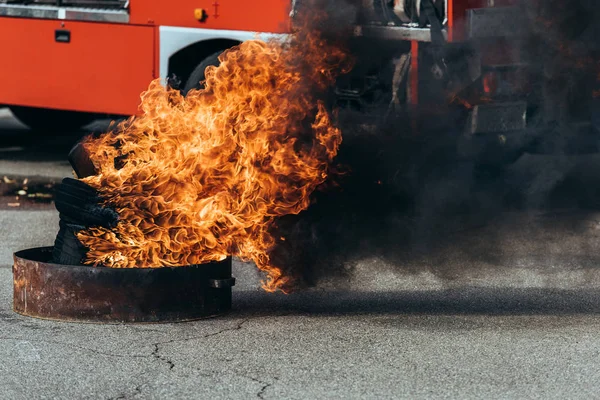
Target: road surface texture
(519,319)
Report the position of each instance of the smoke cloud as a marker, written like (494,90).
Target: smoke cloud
(437,200)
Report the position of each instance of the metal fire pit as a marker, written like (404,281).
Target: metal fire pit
(98,294)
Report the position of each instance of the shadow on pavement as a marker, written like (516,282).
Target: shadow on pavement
(466,301)
(19,143)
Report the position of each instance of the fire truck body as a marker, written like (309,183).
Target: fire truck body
(97,56)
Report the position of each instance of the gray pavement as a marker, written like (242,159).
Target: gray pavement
(510,313)
(454,343)
(294,348)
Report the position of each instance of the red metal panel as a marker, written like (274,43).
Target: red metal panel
(103,69)
(414,85)
(414,73)
(256,15)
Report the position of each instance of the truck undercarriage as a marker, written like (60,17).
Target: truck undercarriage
(506,87)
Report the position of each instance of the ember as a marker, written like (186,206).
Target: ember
(198,178)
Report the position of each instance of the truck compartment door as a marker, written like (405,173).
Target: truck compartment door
(81,66)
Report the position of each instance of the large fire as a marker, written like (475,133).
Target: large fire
(198,178)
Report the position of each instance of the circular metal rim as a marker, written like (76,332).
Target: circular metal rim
(89,294)
(22,254)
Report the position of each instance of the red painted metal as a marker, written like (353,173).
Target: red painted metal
(103,69)
(451,19)
(256,15)
(414,73)
(414,84)
(106,66)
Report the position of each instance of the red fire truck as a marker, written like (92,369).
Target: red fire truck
(67,61)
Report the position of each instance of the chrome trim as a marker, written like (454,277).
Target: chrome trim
(395,32)
(64,13)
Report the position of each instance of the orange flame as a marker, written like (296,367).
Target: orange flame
(198,178)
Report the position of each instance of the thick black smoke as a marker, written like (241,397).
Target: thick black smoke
(435,199)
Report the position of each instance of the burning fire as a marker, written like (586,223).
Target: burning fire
(198,178)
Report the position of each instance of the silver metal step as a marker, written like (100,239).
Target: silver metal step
(64,13)
(492,22)
(497,118)
(397,32)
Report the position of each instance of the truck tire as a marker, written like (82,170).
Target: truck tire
(68,250)
(79,203)
(54,121)
(197,76)
(80,189)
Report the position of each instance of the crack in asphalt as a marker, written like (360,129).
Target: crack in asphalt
(235,328)
(266,385)
(156,353)
(260,394)
(136,391)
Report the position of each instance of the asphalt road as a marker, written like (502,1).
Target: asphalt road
(496,327)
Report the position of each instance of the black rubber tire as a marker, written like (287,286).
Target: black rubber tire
(79,203)
(54,121)
(87,214)
(78,188)
(79,207)
(197,76)
(68,250)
